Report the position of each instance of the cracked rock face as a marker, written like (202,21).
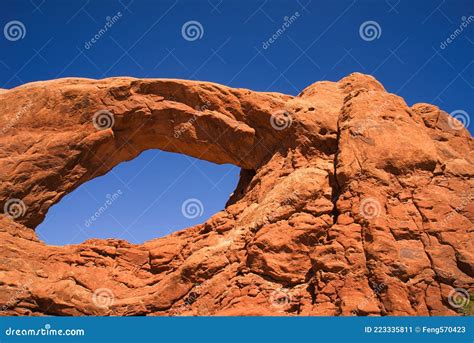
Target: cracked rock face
(349,202)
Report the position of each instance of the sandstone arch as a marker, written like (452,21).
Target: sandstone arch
(341,206)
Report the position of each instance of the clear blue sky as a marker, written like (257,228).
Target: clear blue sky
(323,42)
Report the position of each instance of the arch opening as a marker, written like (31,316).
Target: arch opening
(148,197)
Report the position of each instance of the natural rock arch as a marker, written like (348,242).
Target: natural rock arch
(329,213)
(148,197)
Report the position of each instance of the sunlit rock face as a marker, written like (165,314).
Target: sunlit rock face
(349,203)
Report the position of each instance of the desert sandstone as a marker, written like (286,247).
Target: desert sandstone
(350,202)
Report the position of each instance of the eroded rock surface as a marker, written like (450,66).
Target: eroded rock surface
(349,202)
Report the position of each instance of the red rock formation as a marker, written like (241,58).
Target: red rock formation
(349,202)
